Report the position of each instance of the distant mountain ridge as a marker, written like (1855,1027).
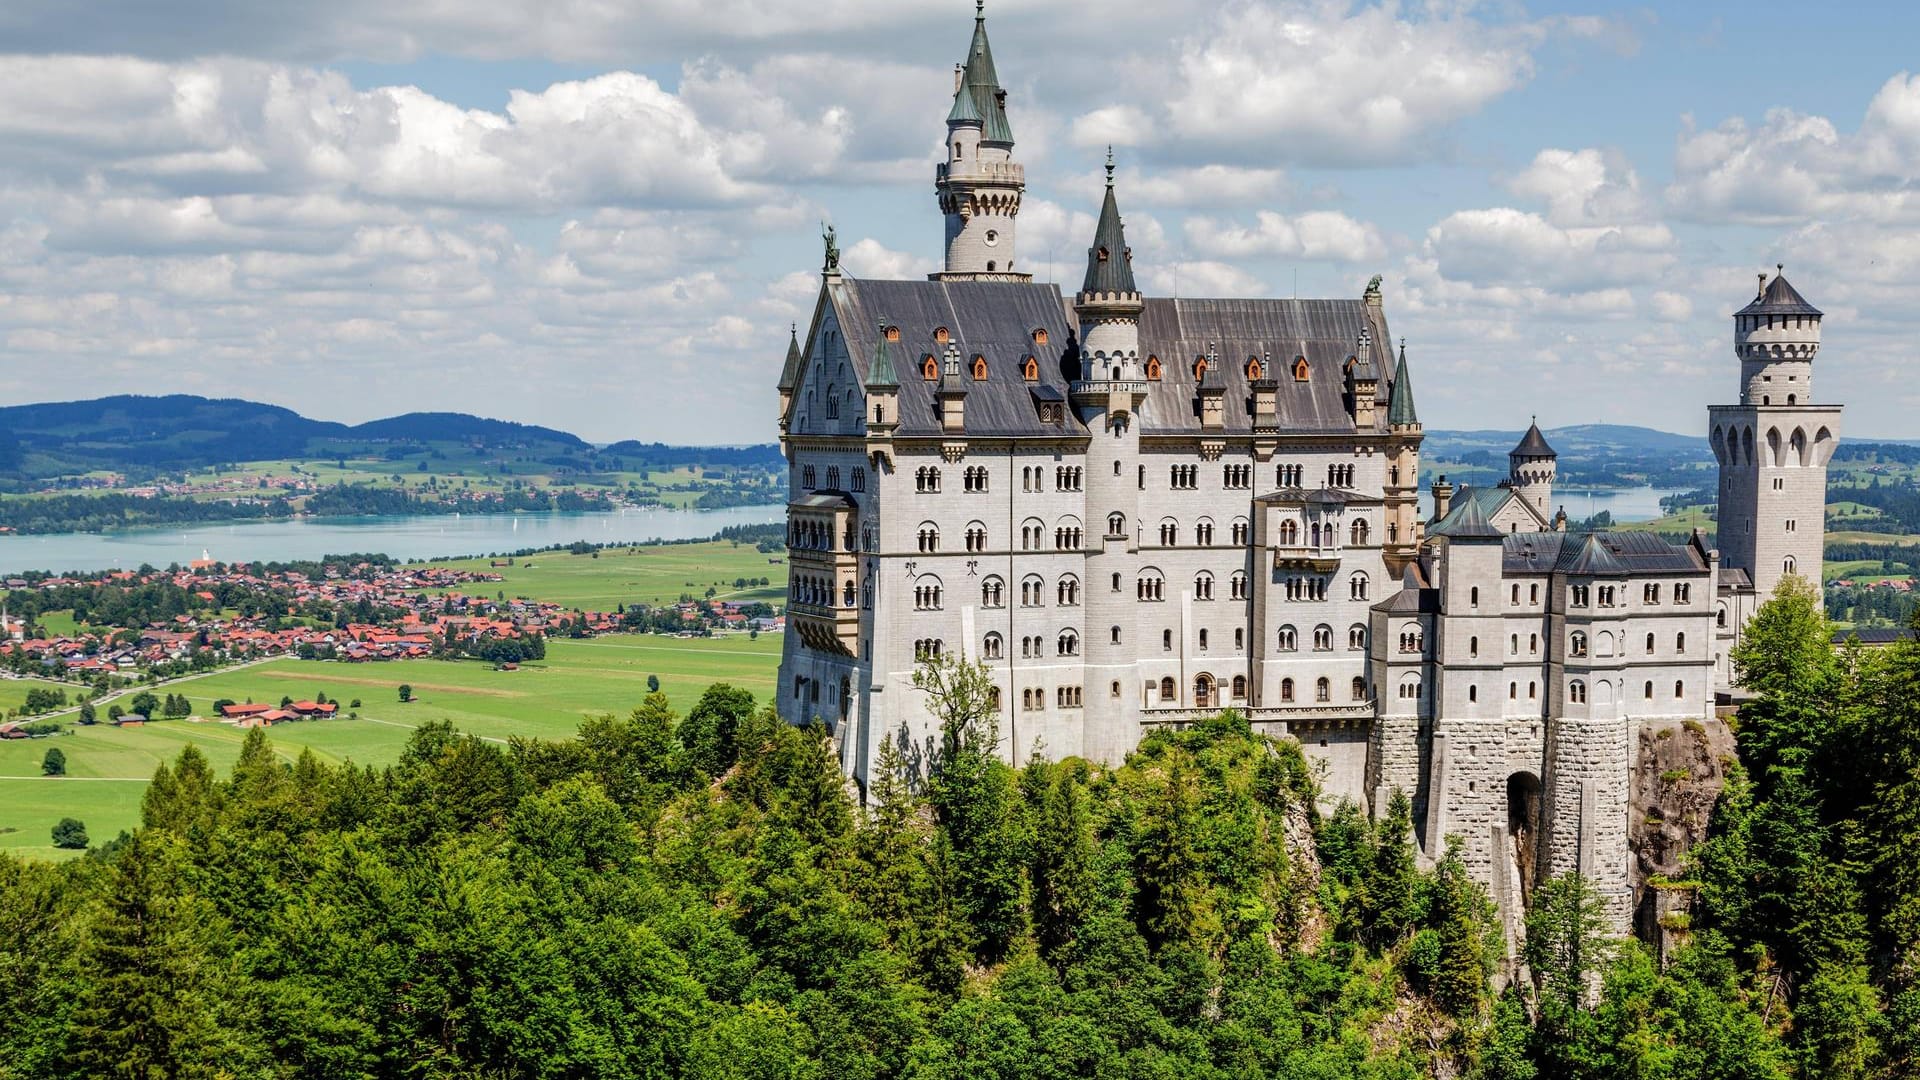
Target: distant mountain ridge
(180,431)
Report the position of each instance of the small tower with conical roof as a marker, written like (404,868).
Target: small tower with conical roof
(1531,467)
(979,184)
(1404,528)
(789,375)
(1109,303)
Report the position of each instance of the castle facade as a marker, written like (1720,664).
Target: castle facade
(1138,511)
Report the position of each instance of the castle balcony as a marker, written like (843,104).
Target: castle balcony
(1117,396)
(981,172)
(1302,715)
(824,628)
(1320,560)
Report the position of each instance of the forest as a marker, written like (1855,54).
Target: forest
(701,896)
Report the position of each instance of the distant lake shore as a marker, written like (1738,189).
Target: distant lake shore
(410,536)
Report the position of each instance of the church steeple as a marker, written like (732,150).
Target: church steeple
(979,185)
(1109,260)
(1400,411)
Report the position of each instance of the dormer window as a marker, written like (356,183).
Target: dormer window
(979,369)
(1153,368)
(1031,370)
(1253,367)
(1101,254)
(1200,368)
(1040,337)
(940,335)
(1300,369)
(893,333)
(930,368)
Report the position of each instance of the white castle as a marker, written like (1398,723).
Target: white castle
(1138,511)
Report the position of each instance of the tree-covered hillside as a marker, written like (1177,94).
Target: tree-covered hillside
(700,897)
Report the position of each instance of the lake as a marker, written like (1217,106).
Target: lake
(403,537)
(433,536)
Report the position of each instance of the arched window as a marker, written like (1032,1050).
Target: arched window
(1289,533)
(1357,587)
(992,592)
(1300,369)
(1203,586)
(929,536)
(1322,689)
(1067,593)
(1680,643)
(1166,640)
(1473,693)
(1359,688)
(1410,689)
(1720,617)
(1679,688)
(1116,525)
(1323,638)
(1473,646)
(930,369)
(1357,533)
(1113,632)
(1069,643)
(1649,643)
(940,335)
(1577,644)
(1473,596)
(1253,368)
(1357,637)
(1030,370)
(991,647)
(1237,585)
(1153,368)
(1787,565)
(1167,692)
(1033,591)
(1239,688)
(976,536)
(1577,692)
(1199,368)
(1289,640)
(1513,691)
(1286,690)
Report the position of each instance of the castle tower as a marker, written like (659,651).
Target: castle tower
(1404,529)
(979,184)
(1773,447)
(1107,391)
(1531,467)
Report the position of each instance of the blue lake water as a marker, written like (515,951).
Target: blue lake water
(409,537)
(404,537)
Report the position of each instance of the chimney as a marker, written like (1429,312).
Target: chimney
(1442,497)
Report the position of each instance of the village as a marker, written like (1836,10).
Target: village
(113,630)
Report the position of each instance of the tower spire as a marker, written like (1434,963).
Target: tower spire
(979,185)
(1400,410)
(1109,260)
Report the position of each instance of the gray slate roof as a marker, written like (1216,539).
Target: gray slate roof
(790,373)
(1532,444)
(1400,408)
(1466,517)
(1779,298)
(1109,262)
(1276,331)
(994,319)
(1598,553)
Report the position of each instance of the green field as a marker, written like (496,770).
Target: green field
(654,574)
(107,767)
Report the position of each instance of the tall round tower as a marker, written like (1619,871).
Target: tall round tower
(1776,337)
(1531,467)
(979,184)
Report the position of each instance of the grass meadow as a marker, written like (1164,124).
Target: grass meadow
(108,767)
(650,574)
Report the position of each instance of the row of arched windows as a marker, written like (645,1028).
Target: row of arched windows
(1289,638)
(1323,690)
(817,591)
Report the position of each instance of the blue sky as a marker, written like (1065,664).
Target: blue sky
(603,216)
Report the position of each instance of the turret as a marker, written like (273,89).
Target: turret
(1531,467)
(789,375)
(1109,303)
(1776,337)
(1404,528)
(883,397)
(979,185)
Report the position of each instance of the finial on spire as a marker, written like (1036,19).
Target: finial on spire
(1403,348)
(979,9)
(1109,164)
(1779,268)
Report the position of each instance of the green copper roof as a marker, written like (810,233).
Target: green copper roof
(980,79)
(790,374)
(880,373)
(1400,405)
(1109,264)
(964,110)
